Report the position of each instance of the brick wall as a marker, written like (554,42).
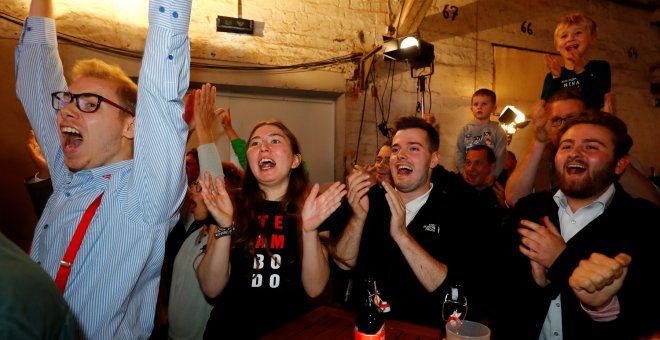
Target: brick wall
(301,31)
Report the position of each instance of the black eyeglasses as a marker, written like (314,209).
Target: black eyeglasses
(85,102)
(559,121)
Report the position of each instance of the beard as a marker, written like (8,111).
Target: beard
(587,186)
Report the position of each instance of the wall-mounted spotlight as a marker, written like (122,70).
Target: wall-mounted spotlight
(511,119)
(417,52)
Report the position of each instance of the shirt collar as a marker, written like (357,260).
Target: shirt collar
(604,199)
(414,205)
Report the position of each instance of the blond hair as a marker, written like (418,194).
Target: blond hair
(96,68)
(578,19)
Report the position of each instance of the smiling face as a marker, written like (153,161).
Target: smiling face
(585,162)
(572,39)
(558,111)
(482,107)
(477,168)
(411,162)
(91,140)
(270,157)
(382,164)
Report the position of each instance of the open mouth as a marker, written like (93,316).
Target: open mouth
(575,169)
(266,163)
(572,47)
(71,138)
(403,169)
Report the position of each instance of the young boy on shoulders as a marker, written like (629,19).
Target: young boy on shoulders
(482,131)
(574,35)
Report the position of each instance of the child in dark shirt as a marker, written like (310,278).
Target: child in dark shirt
(573,37)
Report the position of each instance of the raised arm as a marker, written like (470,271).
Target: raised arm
(41,8)
(214,269)
(522,178)
(160,130)
(203,116)
(500,149)
(348,245)
(239,145)
(637,185)
(38,74)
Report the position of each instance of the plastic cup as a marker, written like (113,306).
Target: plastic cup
(467,330)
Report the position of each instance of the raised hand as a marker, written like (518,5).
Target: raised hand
(541,242)
(358,187)
(398,210)
(597,280)
(368,169)
(205,112)
(608,105)
(34,150)
(218,202)
(318,207)
(540,121)
(553,65)
(226,124)
(225,120)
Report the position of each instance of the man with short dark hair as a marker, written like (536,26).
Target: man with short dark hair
(399,237)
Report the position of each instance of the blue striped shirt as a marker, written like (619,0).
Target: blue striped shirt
(114,279)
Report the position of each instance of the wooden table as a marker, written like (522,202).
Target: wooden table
(337,324)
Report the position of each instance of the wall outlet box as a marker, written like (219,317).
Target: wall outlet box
(234,25)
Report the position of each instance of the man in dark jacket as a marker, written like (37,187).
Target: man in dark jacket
(590,224)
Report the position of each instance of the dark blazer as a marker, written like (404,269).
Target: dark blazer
(627,225)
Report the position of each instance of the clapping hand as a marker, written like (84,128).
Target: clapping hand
(597,280)
(369,169)
(217,201)
(398,209)
(542,244)
(319,207)
(358,187)
(498,189)
(553,65)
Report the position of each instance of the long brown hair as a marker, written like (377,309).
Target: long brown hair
(252,199)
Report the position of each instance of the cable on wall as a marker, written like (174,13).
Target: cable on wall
(349,58)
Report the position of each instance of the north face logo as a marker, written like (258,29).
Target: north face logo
(431,227)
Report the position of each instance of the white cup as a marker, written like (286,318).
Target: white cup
(467,330)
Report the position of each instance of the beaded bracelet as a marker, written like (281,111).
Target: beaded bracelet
(224,231)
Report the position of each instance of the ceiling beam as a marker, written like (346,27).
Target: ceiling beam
(412,14)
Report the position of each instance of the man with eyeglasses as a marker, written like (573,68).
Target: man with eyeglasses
(535,171)
(116,157)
